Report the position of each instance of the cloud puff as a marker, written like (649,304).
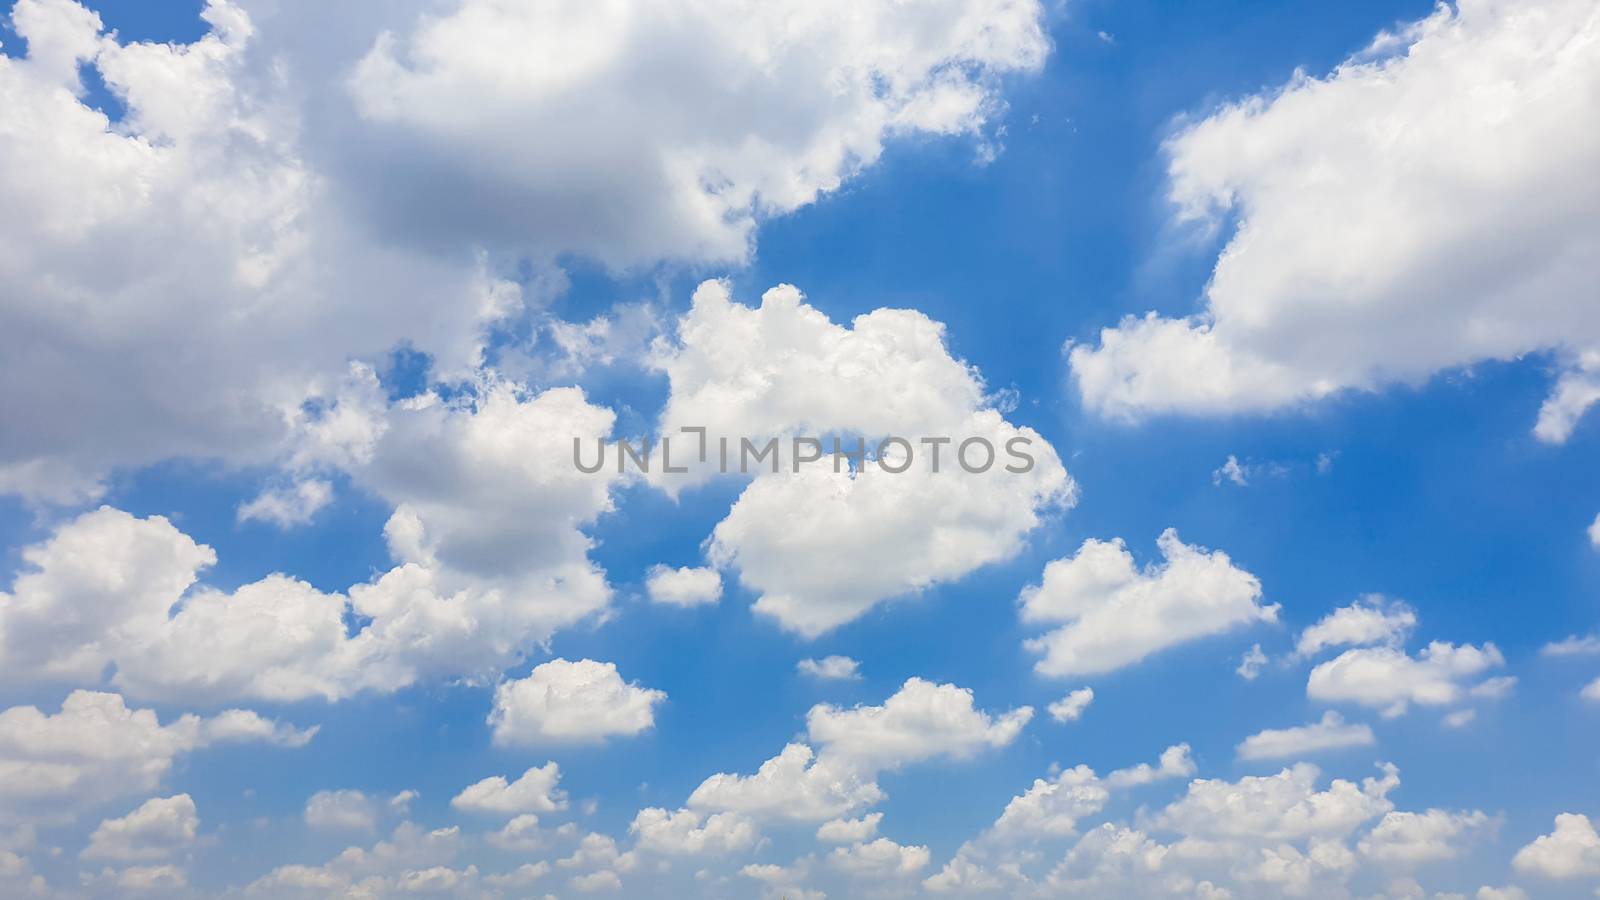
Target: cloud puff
(380,185)
(920,721)
(1410,838)
(1282,807)
(1330,733)
(1371,620)
(822,546)
(1070,708)
(683,587)
(571,702)
(697,119)
(534,792)
(97,749)
(157,829)
(688,833)
(849,831)
(1366,256)
(487,535)
(1387,678)
(1116,615)
(1572,850)
(830,668)
(346,810)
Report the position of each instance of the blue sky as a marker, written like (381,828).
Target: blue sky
(1391,294)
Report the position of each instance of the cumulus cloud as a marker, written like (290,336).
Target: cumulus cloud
(1410,838)
(159,828)
(287,507)
(830,668)
(1388,679)
(97,749)
(344,810)
(255,148)
(824,545)
(1282,807)
(881,858)
(1572,850)
(683,587)
(1330,733)
(1070,708)
(920,721)
(534,792)
(571,702)
(1371,620)
(1116,615)
(479,575)
(849,831)
(688,833)
(1363,259)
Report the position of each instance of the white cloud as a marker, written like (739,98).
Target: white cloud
(920,721)
(535,792)
(766,111)
(1386,678)
(820,546)
(1573,645)
(1363,258)
(1251,663)
(830,668)
(881,858)
(1282,807)
(346,810)
(1572,850)
(487,532)
(97,749)
(796,784)
(1331,733)
(1070,708)
(849,831)
(684,587)
(1410,838)
(412,859)
(521,834)
(1371,620)
(254,149)
(1591,691)
(1174,763)
(287,507)
(159,828)
(571,702)
(1116,615)
(689,833)
(1594,532)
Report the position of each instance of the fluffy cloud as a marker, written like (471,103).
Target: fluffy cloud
(254,148)
(1330,733)
(921,721)
(1282,807)
(821,546)
(1116,615)
(1387,678)
(849,831)
(684,587)
(157,829)
(1410,838)
(1370,620)
(1571,851)
(1070,708)
(534,792)
(797,784)
(480,574)
(688,833)
(411,860)
(571,702)
(97,749)
(830,668)
(1365,255)
(881,858)
(696,120)
(346,810)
